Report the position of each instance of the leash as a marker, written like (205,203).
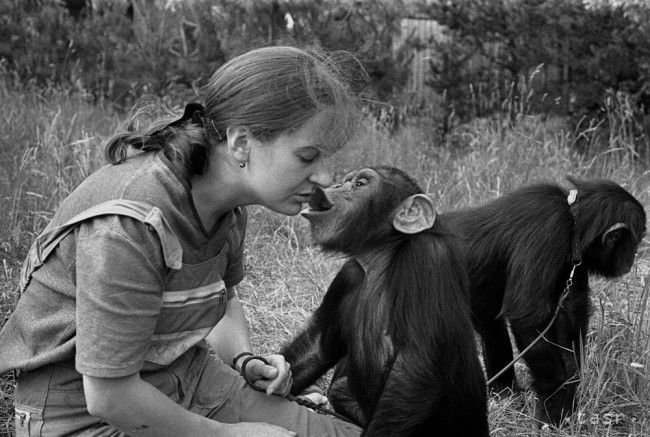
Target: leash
(319,408)
(297,399)
(576,260)
(563,296)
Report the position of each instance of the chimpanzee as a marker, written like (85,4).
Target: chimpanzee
(396,319)
(520,249)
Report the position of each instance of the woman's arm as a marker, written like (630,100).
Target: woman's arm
(230,337)
(139,409)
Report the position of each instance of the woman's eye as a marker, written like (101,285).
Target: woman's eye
(310,157)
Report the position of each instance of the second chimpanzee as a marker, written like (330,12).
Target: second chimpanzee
(396,318)
(520,251)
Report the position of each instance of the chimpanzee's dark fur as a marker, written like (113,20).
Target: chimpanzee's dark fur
(518,250)
(396,322)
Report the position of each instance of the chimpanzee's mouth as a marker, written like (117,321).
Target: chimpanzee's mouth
(318,203)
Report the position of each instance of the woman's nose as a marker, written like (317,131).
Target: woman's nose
(321,177)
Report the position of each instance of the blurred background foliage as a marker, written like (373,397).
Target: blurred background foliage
(580,60)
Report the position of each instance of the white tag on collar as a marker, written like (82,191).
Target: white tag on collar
(571,198)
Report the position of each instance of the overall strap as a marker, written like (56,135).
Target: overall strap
(152,216)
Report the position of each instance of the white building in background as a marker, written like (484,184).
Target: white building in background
(425,31)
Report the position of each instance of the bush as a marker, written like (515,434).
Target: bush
(119,50)
(581,51)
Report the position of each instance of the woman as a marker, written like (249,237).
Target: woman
(136,273)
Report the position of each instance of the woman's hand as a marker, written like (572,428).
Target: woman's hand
(272,378)
(254,429)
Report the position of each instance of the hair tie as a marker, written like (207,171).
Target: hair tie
(195,112)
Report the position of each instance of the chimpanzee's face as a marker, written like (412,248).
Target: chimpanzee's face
(613,253)
(337,214)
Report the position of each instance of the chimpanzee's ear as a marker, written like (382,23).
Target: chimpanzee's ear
(613,234)
(415,214)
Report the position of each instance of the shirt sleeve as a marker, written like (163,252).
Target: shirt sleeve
(235,268)
(119,271)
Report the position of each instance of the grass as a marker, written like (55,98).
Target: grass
(50,140)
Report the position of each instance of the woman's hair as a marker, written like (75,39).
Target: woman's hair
(271,90)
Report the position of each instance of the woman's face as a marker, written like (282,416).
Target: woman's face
(284,171)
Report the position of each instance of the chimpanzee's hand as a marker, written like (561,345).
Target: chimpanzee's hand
(317,398)
(272,378)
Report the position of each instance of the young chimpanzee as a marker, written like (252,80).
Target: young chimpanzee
(396,319)
(520,251)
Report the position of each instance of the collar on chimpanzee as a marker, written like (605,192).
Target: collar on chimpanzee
(576,256)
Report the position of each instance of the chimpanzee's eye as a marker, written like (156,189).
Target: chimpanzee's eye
(361,182)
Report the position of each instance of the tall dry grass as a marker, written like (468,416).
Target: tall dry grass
(50,140)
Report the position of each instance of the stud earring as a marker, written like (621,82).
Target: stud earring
(242,164)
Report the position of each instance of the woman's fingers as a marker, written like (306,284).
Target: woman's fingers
(273,378)
(283,378)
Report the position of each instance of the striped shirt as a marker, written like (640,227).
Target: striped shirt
(106,298)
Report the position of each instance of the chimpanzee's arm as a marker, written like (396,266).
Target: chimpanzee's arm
(320,346)
(308,361)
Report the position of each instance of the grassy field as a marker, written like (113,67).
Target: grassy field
(50,140)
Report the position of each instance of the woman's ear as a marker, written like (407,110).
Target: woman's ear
(239,140)
(415,214)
